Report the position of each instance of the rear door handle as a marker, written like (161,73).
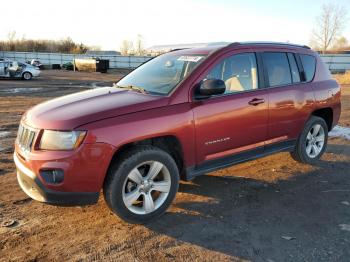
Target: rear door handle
(256,101)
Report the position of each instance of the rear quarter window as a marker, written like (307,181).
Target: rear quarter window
(309,65)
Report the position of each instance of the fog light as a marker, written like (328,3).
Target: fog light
(53,176)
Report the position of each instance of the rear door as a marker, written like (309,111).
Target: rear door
(290,99)
(237,120)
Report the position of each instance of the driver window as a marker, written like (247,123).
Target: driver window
(239,72)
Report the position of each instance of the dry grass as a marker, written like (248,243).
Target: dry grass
(343,79)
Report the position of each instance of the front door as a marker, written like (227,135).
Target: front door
(235,121)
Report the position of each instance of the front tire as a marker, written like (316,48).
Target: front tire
(142,184)
(312,142)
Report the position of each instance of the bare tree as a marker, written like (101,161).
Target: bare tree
(329,26)
(139,49)
(341,43)
(126,47)
(13,43)
(11,36)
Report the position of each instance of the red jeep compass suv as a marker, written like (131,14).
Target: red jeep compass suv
(180,115)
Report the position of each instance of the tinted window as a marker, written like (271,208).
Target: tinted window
(277,68)
(309,65)
(239,72)
(294,68)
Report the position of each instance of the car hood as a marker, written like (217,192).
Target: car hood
(69,112)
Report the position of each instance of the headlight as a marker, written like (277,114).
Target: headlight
(61,140)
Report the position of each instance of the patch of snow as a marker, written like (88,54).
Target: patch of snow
(94,85)
(288,237)
(20,90)
(340,131)
(344,227)
(4,134)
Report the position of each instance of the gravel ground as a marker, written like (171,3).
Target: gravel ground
(271,209)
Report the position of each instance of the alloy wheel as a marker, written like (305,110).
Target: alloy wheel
(315,141)
(27,76)
(146,187)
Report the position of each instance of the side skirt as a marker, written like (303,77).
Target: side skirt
(227,161)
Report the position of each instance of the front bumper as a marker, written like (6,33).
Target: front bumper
(35,189)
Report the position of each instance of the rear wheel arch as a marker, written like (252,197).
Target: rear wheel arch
(326,114)
(314,135)
(27,72)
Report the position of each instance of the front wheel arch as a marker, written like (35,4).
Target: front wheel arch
(168,143)
(117,173)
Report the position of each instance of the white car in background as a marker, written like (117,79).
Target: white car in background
(14,69)
(35,62)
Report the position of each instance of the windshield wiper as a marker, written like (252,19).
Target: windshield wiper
(132,87)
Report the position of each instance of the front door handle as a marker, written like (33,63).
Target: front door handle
(256,101)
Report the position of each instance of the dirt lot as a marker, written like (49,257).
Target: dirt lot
(271,209)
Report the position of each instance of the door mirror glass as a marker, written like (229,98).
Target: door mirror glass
(210,87)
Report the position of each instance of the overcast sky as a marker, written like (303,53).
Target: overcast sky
(107,23)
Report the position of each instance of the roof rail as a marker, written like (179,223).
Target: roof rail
(177,49)
(268,43)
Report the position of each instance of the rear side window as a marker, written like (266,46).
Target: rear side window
(309,65)
(277,67)
(293,68)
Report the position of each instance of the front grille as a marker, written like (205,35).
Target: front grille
(25,137)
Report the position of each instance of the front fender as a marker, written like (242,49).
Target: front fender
(174,120)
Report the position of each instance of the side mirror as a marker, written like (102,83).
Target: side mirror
(210,87)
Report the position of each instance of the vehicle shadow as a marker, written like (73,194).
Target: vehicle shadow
(291,220)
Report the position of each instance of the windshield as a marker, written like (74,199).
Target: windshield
(161,74)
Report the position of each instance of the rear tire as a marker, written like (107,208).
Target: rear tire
(142,184)
(312,142)
(27,76)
